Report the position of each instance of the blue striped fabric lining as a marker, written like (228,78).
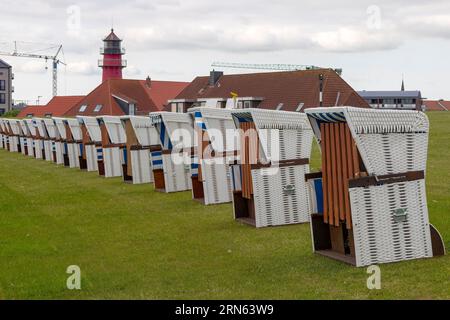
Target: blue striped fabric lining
(99,154)
(194,166)
(329,116)
(244,117)
(157,162)
(65,148)
(125,159)
(164,136)
(319,195)
(80,148)
(199,120)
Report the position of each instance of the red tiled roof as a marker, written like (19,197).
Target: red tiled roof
(436,105)
(288,87)
(146,98)
(56,107)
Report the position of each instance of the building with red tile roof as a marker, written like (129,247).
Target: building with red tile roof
(436,105)
(56,107)
(125,96)
(286,90)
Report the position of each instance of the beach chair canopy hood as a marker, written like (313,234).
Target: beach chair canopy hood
(60,126)
(51,128)
(272,126)
(389,141)
(31,124)
(174,129)
(92,127)
(74,125)
(115,129)
(145,131)
(219,125)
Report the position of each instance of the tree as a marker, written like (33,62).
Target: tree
(11,113)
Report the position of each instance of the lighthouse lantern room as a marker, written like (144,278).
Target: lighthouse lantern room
(112,62)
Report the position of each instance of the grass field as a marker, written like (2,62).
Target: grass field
(132,242)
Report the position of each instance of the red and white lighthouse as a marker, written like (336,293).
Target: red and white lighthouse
(112,63)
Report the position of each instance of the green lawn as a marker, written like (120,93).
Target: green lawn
(132,242)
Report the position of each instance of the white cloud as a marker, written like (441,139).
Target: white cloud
(31,66)
(82,67)
(351,39)
(435,25)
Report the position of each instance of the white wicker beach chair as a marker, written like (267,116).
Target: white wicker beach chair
(38,142)
(67,143)
(113,140)
(28,139)
(141,136)
(55,138)
(16,135)
(2,135)
(269,182)
(215,147)
(46,140)
(92,142)
(171,165)
(370,200)
(22,148)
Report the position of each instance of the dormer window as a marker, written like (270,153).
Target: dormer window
(98,108)
(83,108)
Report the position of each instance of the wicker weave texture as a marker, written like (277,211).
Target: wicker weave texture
(146,132)
(379,237)
(14,144)
(217,181)
(141,166)
(30,147)
(113,162)
(177,176)
(48,150)
(281,196)
(91,157)
(59,146)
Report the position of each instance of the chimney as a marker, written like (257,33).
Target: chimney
(148,82)
(214,76)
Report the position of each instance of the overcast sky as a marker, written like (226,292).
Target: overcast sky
(374,42)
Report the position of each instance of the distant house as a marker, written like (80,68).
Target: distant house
(436,105)
(404,100)
(6,88)
(127,97)
(286,90)
(56,107)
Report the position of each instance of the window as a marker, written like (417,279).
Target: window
(239,105)
(2,85)
(132,109)
(247,104)
(98,108)
(2,98)
(83,108)
(180,107)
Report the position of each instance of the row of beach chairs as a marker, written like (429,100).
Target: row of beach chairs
(367,205)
